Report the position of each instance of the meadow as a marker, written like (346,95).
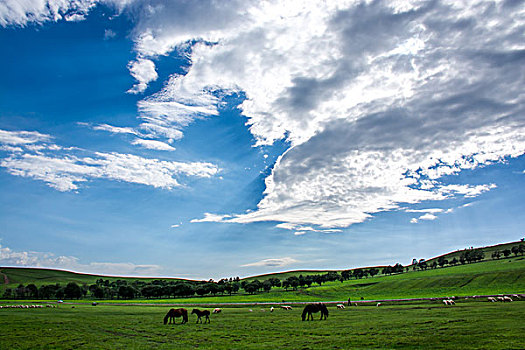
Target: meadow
(504,276)
(470,324)
(473,323)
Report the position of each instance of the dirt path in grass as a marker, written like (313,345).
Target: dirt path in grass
(6,280)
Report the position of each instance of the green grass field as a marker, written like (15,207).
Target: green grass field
(423,325)
(137,323)
(505,276)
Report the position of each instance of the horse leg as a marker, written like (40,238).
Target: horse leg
(208,318)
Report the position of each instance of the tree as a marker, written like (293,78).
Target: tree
(506,252)
(267,285)
(275,282)
(515,250)
(442,261)
(126,292)
(32,291)
(373,271)
(96,291)
(346,274)
(72,291)
(201,290)
(20,291)
(496,254)
(8,293)
(250,288)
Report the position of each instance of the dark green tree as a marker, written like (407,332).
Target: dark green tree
(72,291)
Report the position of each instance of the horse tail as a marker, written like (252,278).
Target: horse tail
(185,315)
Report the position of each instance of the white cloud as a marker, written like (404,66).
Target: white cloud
(22,12)
(115,129)
(301,230)
(210,218)
(414,221)
(277,262)
(428,217)
(109,34)
(65,171)
(378,100)
(430,210)
(11,258)
(153,144)
(144,71)
(22,137)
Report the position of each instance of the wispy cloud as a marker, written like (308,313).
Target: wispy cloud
(65,171)
(208,217)
(153,144)
(276,262)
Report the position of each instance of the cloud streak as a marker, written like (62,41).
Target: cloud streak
(275,262)
(65,171)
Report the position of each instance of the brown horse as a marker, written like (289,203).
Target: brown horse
(201,313)
(176,313)
(312,308)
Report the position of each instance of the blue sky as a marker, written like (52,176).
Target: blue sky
(210,139)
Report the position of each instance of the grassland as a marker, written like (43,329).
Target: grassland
(424,325)
(505,276)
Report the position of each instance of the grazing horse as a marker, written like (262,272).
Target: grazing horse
(311,308)
(176,313)
(201,313)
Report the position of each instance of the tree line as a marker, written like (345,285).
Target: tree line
(162,289)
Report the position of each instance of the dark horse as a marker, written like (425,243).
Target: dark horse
(312,308)
(176,313)
(201,313)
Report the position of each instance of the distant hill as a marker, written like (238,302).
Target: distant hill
(489,276)
(38,276)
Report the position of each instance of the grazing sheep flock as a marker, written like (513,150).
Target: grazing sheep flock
(23,306)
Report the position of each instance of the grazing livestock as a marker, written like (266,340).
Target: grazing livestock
(201,313)
(312,308)
(176,313)
(286,307)
(340,306)
(506,298)
(491,299)
(378,304)
(449,302)
(271,309)
(501,299)
(217,310)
